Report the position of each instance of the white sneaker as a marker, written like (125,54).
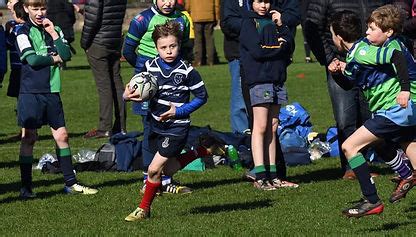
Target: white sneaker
(77,188)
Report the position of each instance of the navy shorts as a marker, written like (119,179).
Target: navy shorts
(268,93)
(35,110)
(386,129)
(167,145)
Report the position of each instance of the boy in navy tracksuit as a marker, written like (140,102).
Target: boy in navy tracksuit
(265,49)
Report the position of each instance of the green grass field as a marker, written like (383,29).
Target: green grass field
(221,204)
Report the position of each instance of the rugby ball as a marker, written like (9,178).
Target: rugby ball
(145,84)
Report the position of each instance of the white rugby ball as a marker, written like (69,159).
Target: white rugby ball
(145,84)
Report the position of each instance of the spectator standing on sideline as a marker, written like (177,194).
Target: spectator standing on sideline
(230,25)
(349,107)
(3,55)
(12,27)
(288,13)
(101,39)
(265,48)
(205,15)
(231,19)
(62,14)
(409,26)
(303,9)
(190,44)
(42,48)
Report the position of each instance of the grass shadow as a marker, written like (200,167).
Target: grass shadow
(389,226)
(16,139)
(232,207)
(412,208)
(332,174)
(39,195)
(79,67)
(10,139)
(214,183)
(9,164)
(15,186)
(118,182)
(317,175)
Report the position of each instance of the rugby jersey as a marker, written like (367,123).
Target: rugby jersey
(34,40)
(139,35)
(176,81)
(370,68)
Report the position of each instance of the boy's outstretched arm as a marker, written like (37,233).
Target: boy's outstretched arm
(336,68)
(198,89)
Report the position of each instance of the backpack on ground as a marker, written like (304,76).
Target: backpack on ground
(294,148)
(106,157)
(332,139)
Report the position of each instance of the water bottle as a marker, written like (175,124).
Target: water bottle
(233,156)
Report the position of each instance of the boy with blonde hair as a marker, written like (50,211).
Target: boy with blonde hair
(42,49)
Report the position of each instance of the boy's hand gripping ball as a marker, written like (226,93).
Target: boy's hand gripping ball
(144,84)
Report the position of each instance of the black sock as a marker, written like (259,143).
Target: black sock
(360,167)
(260,172)
(26,171)
(65,161)
(272,172)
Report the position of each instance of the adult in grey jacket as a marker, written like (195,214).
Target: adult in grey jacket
(102,39)
(349,106)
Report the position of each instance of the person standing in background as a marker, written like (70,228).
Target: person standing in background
(231,19)
(62,14)
(303,8)
(205,15)
(230,26)
(102,40)
(3,54)
(409,26)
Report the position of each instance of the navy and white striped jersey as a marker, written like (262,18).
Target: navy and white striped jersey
(176,81)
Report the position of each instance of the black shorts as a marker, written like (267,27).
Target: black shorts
(386,129)
(167,145)
(35,110)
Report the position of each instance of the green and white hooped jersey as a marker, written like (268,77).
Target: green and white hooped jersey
(32,39)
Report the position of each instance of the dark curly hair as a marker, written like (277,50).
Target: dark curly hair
(169,28)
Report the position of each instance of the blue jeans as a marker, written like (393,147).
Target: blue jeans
(238,112)
(350,112)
